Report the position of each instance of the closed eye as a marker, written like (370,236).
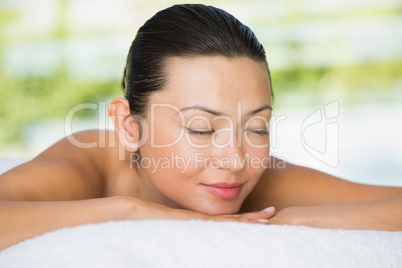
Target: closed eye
(199,132)
(258,131)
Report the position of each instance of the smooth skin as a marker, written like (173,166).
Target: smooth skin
(68,185)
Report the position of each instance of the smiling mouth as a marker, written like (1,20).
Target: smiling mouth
(224,190)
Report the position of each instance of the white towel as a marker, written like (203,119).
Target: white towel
(168,243)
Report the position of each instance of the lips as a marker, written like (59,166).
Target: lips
(224,190)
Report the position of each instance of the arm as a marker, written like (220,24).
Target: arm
(22,220)
(37,197)
(305,196)
(382,214)
(66,186)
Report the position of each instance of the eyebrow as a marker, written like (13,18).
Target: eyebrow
(256,111)
(216,113)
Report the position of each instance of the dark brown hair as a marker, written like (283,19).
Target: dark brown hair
(186,30)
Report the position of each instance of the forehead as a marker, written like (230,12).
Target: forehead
(214,81)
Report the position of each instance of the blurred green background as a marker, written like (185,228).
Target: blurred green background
(55,54)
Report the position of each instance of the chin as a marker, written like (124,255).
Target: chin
(219,209)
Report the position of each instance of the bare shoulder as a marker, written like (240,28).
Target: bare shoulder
(73,168)
(287,185)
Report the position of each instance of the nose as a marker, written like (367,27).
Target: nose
(229,156)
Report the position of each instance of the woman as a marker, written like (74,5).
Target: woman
(191,141)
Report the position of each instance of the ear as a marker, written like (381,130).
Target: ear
(127,129)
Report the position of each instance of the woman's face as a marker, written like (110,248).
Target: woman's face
(208,141)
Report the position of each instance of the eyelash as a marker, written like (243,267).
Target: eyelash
(209,132)
(259,131)
(198,132)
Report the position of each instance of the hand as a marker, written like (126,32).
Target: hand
(148,210)
(339,216)
(257,217)
(381,214)
(293,216)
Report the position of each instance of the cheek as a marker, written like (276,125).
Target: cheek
(256,141)
(167,148)
(172,165)
(163,135)
(176,175)
(259,160)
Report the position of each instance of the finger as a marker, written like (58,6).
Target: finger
(252,221)
(263,214)
(238,219)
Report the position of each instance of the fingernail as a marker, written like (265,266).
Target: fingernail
(270,209)
(263,220)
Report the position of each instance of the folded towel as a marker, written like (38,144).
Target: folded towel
(169,243)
